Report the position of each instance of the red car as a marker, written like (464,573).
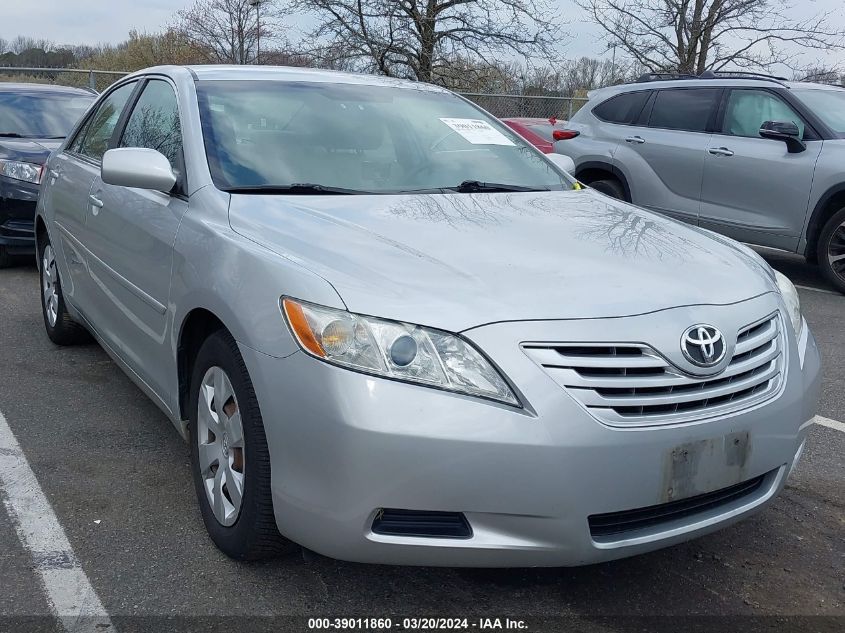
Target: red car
(542,133)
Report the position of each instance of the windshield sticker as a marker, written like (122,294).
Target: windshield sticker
(478,132)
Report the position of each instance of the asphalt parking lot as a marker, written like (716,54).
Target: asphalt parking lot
(117,477)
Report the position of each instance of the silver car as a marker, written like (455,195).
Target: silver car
(753,157)
(394,332)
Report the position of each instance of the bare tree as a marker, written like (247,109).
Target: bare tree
(420,39)
(23,43)
(227,31)
(142,50)
(691,36)
(820,74)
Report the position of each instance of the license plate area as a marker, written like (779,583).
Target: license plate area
(703,466)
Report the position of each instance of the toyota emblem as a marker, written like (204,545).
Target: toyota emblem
(703,345)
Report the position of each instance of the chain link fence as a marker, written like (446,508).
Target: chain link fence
(97,80)
(531,106)
(499,105)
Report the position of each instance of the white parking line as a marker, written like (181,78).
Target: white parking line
(831,424)
(70,594)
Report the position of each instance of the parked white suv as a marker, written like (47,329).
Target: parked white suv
(754,157)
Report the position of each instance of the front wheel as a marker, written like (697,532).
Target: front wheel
(229,455)
(831,250)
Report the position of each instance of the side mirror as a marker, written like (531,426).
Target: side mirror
(785,131)
(562,162)
(138,167)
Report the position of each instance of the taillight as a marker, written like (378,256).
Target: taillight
(564,135)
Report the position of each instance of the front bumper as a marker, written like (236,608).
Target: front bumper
(344,445)
(17,216)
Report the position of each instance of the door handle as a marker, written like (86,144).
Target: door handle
(96,203)
(720,151)
(639,140)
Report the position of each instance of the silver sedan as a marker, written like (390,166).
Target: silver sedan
(392,331)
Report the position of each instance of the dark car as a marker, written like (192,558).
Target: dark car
(34,119)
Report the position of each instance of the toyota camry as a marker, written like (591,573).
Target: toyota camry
(392,331)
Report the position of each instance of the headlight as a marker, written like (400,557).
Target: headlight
(395,350)
(26,172)
(792,301)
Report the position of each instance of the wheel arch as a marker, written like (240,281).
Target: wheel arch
(831,201)
(591,171)
(40,233)
(198,324)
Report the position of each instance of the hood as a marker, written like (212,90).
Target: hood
(463,260)
(28,150)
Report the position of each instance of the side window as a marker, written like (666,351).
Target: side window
(99,130)
(624,108)
(154,122)
(684,109)
(747,110)
(76,145)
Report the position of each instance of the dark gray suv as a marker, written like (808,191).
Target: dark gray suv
(757,158)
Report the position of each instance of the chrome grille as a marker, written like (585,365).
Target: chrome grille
(633,385)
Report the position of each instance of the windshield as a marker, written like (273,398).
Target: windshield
(360,138)
(29,115)
(828,105)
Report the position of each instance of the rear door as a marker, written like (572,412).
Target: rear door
(754,190)
(130,235)
(663,154)
(70,175)
(602,129)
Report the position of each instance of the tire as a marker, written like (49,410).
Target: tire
(609,187)
(6,260)
(244,530)
(60,326)
(831,250)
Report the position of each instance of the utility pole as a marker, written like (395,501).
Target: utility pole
(613,68)
(257,4)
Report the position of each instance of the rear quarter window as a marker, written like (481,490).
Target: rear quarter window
(624,108)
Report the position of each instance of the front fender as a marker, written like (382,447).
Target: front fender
(239,281)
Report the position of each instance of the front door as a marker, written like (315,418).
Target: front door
(70,175)
(130,235)
(754,190)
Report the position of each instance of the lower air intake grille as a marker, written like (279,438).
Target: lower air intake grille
(419,523)
(614,524)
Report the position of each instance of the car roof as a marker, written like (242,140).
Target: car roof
(33,88)
(716,82)
(213,72)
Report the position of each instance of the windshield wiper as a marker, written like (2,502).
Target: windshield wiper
(11,135)
(298,188)
(476,186)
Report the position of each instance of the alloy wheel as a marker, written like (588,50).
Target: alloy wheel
(836,251)
(220,441)
(49,285)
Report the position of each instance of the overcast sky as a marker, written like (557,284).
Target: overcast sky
(94,21)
